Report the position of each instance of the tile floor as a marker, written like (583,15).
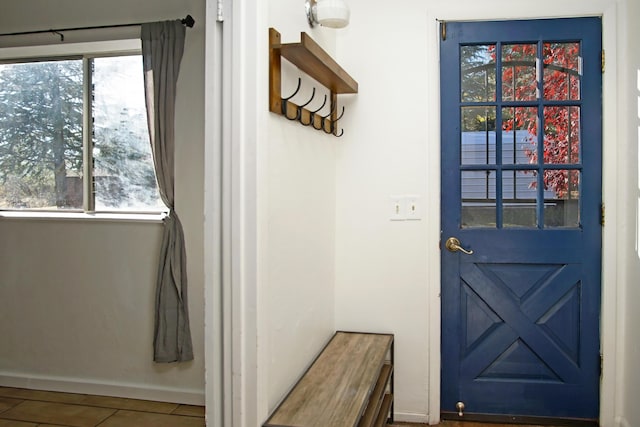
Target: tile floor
(31,408)
(462,424)
(34,408)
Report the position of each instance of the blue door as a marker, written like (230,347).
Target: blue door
(521,219)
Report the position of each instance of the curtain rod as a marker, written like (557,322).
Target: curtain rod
(187,21)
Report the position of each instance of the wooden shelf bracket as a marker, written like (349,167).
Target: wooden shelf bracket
(310,58)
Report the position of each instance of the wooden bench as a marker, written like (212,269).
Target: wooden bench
(350,384)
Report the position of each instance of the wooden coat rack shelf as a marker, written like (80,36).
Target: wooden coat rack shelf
(309,57)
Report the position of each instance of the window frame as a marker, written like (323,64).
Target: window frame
(85,51)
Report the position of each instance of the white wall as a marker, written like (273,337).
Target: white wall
(387,273)
(381,265)
(76,296)
(296,217)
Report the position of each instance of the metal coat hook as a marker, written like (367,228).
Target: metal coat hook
(285,101)
(338,118)
(312,114)
(332,124)
(313,94)
(322,119)
(333,109)
(301,107)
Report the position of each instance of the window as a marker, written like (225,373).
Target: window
(74,136)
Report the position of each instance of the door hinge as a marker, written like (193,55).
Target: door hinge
(601,365)
(443,30)
(602,214)
(602,59)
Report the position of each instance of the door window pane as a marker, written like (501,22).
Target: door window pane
(478,137)
(478,73)
(562,205)
(561,135)
(561,71)
(519,135)
(41,135)
(519,199)
(478,198)
(519,82)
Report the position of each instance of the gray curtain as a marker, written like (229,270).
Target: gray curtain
(162,48)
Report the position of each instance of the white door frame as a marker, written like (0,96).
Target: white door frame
(215,387)
(231,129)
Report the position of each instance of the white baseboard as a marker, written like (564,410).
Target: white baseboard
(409,417)
(83,386)
(622,422)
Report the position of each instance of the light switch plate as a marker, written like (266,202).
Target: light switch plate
(412,208)
(397,210)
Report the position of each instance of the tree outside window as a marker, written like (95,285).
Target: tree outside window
(41,136)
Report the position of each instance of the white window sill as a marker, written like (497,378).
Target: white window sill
(82,216)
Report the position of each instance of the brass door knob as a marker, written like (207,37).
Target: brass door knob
(453,245)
